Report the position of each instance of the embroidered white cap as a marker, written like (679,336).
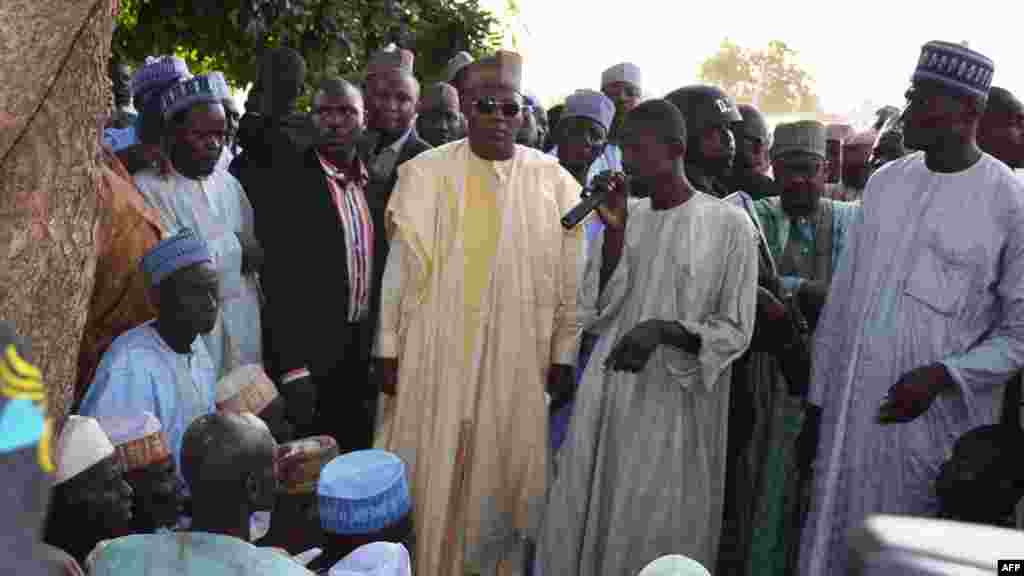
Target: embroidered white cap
(82,444)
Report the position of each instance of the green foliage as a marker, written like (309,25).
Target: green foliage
(767,77)
(334,36)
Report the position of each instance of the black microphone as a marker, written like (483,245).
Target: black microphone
(592,198)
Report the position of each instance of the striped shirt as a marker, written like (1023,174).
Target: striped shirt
(347,191)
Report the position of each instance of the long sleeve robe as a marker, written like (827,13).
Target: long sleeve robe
(642,472)
(933,272)
(495,379)
(216,208)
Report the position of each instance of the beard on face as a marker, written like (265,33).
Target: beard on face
(191,164)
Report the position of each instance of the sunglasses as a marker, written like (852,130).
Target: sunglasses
(489,106)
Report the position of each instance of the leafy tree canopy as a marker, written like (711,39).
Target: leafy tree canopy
(334,36)
(767,77)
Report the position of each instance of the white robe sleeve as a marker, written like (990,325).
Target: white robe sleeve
(568,318)
(598,308)
(386,345)
(726,333)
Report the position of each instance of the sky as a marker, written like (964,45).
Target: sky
(862,54)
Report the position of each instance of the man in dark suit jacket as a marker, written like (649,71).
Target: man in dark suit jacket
(392,97)
(318,276)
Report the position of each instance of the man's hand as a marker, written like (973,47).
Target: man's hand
(252,253)
(300,399)
(914,393)
(807,440)
(386,370)
(561,385)
(613,210)
(632,351)
(811,296)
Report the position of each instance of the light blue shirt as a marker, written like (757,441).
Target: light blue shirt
(140,372)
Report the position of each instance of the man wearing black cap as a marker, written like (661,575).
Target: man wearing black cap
(751,166)
(924,324)
(711,147)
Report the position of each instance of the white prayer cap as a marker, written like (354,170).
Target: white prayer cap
(625,72)
(82,444)
(375,559)
(674,565)
(254,420)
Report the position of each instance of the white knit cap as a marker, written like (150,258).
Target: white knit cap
(82,444)
(374,559)
(674,565)
(625,72)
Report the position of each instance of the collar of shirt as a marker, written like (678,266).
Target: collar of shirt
(396,146)
(355,172)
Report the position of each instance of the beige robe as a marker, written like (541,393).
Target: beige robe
(528,322)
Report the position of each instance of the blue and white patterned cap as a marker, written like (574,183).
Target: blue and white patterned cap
(363,492)
(956,67)
(155,75)
(208,88)
(179,251)
(590,104)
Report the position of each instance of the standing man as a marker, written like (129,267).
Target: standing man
(455,73)
(1001,132)
(623,83)
(440,119)
(835,134)
(479,311)
(751,166)
(711,148)
(319,310)
(642,471)
(923,326)
(854,167)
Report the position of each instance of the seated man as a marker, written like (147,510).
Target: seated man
(90,489)
(249,389)
(229,465)
(296,523)
(162,366)
(149,469)
(364,498)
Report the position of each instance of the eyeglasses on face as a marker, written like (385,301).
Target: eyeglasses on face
(488,106)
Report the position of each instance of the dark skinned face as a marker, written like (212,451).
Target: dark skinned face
(274,416)
(855,165)
(624,95)
(158,494)
(541,118)
(647,157)
(492,135)
(339,122)
(263,484)
(199,141)
(103,491)
(391,102)
(442,124)
(190,297)
(932,117)
(751,151)
(580,141)
(528,133)
(801,178)
(717,150)
(1002,135)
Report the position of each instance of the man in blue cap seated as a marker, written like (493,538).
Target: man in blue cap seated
(162,366)
(364,498)
(924,324)
(229,464)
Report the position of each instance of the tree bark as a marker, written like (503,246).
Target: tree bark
(53,86)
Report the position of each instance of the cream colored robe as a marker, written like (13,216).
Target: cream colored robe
(529,321)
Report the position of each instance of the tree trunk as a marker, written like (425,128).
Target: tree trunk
(53,86)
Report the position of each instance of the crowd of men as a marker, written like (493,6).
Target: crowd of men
(364,340)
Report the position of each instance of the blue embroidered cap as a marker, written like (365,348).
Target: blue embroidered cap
(208,88)
(155,75)
(590,104)
(956,67)
(363,492)
(172,254)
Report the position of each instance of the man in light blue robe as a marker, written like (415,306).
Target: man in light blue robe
(162,366)
(925,320)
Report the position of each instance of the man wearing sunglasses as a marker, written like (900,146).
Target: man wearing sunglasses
(478,320)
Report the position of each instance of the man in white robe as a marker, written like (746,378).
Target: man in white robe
(478,311)
(201,195)
(925,320)
(673,284)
